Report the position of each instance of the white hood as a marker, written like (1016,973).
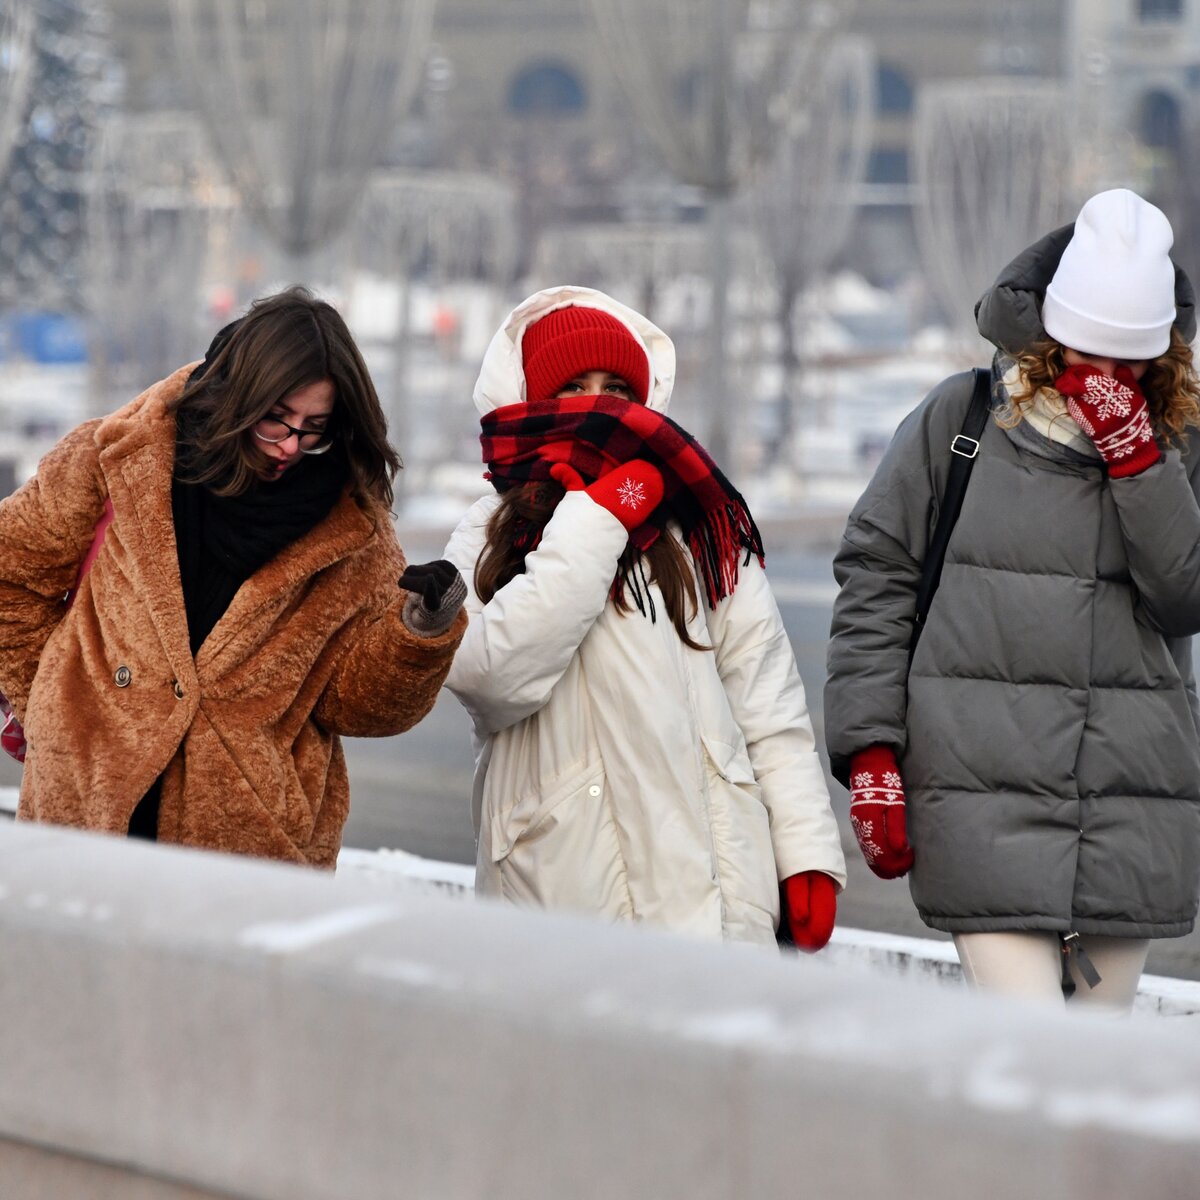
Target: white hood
(502,377)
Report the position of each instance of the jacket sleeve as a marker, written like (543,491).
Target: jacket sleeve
(878,569)
(1160,525)
(46,528)
(388,677)
(519,644)
(766,696)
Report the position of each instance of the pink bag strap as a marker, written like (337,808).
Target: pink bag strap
(97,540)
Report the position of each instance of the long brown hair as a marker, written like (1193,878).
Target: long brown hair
(533,503)
(286,341)
(1170,384)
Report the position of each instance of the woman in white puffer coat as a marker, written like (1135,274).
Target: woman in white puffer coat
(644,750)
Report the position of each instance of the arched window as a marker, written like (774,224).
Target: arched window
(1159,121)
(894,90)
(1160,10)
(546,89)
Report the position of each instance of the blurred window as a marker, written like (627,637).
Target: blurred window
(546,89)
(1160,123)
(894,90)
(888,166)
(1160,10)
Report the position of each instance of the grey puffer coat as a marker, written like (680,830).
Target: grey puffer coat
(1048,730)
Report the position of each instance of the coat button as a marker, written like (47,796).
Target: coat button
(178,690)
(122,677)
(594,790)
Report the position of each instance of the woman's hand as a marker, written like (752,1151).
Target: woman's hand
(877,812)
(631,491)
(809,908)
(1112,411)
(438,591)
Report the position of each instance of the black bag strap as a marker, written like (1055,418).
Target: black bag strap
(964,447)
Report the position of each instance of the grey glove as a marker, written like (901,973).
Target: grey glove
(437,593)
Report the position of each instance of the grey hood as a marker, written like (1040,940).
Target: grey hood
(1009,313)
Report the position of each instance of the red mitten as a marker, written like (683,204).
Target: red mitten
(1112,411)
(877,812)
(809,908)
(631,491)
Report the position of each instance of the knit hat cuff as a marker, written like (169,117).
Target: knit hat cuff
(570,341)
(1092,335)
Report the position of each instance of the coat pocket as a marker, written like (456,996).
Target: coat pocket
(558,848)
(522,819)
(741,828)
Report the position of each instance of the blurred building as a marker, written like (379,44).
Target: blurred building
(1135,68)
(523,89)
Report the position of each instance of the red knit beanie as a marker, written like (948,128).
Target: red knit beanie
(568,342)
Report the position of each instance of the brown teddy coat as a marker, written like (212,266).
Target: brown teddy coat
(246,734)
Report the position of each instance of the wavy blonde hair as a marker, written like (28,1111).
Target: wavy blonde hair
(1170,383)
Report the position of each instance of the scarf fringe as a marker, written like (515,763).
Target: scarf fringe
(717,544)
(634,574)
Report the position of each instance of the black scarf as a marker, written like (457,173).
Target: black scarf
(223,540)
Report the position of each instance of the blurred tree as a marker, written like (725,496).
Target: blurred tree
(72,82)
(803,203)
(147,225)
(707,79)
(298,97)
(993,166)
(17,23)
(437,226)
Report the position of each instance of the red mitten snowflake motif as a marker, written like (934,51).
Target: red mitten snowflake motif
(631,491)
(877,812)
(868,793)
(1112,411)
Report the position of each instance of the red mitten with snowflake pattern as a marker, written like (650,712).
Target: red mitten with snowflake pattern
(877,812)
(631,491)
(1112,411)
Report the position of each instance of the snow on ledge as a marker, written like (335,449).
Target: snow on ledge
(884,953)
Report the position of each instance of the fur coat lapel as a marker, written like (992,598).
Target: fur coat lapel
(137,457)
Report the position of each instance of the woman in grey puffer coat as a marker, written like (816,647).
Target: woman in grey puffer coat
(1042,754)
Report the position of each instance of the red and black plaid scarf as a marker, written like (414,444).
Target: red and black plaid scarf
(594,434)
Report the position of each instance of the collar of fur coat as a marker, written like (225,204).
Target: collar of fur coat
(136,457)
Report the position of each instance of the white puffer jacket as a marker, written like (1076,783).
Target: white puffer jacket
(618,771)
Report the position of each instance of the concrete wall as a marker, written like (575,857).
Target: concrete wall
(251,1030)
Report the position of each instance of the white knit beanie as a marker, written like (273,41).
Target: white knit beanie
(1114,291)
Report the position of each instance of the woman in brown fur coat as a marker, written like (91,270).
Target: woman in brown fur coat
(243,612)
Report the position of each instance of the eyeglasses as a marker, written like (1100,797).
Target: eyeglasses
(312,441)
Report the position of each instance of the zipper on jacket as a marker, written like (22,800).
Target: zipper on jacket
(698,741)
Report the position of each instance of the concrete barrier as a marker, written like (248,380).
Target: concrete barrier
(193,1025)
(883,953)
